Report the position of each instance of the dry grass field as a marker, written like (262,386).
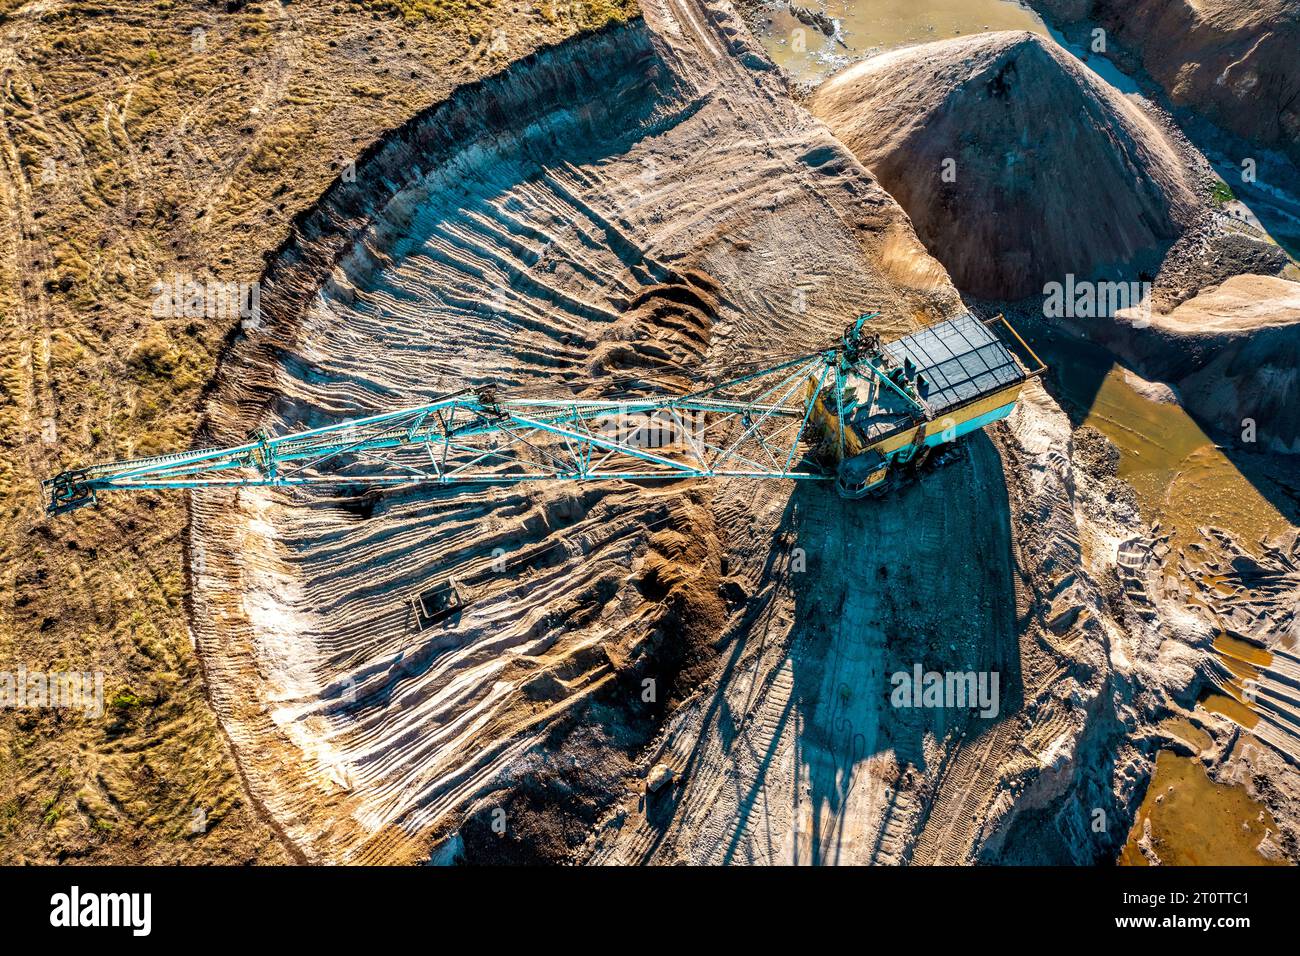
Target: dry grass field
(144,141)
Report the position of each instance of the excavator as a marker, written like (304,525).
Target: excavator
(861,413)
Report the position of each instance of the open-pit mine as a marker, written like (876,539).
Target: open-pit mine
(686,433)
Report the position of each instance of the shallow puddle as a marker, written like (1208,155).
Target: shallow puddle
(1181,478)
(1195,821)
(1244,661)
(870,28)
(1236,648)
(1229,707)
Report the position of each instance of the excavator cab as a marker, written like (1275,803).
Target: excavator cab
(891,404)
(859,476)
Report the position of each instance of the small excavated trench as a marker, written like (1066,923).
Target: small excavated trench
(646,197)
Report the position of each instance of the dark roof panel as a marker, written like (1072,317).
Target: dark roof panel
(961,360)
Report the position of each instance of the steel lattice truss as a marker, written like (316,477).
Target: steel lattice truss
(752,426)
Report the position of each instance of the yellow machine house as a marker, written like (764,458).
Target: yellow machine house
(892,404)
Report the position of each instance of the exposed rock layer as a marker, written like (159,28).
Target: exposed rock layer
(1237,61)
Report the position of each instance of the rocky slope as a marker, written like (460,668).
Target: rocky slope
(1233,351)
(1234,60)
(1017,165)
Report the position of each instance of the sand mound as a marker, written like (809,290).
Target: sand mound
(1016,164)
(1241,305)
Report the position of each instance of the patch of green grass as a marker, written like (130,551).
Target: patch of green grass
(597,13)
(587,14)
(414,11)
(51,811)
(125,700)
(1221,193)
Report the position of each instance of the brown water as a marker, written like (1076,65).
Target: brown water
(1197,822)
(872,27)
(1235,648)
(1245,661)
(1230,707)
(1181,479)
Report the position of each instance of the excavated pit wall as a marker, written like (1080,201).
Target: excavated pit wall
(641,195)
(1234,60)
(321,679)
(645,194)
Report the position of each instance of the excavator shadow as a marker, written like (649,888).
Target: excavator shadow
(903,648)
